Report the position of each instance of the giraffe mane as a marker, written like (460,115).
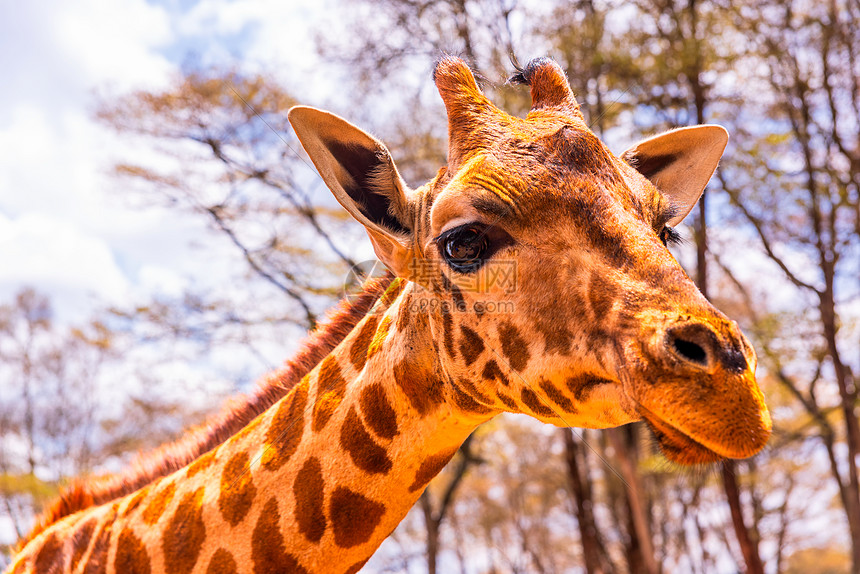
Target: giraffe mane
(234,416)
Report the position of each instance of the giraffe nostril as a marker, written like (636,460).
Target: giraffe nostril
(698,344)
(693,343)
(690,351)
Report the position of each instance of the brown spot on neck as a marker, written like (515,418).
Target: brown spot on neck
(50,556)
(431,466)
(285,432)
(354,517)
(97,560)
(222,562)
(184,534)
(365,453)
(330,389)
(81,541)
(135,501)
(555,395)
(468,398)
(493,372)
(356,568)
(131,555)
(471,345)
(237,489)
(533,402)
(268,550)
(507,401)
(424,390)
(200,465)
(308,489)
(159,503)
(358,351)
(581,385)
(377,411)
(379,338)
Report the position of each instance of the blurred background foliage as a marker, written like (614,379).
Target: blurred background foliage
(775,243)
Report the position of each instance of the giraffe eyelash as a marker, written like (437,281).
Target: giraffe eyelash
(669,236)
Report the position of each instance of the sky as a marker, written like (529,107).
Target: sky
(66,227)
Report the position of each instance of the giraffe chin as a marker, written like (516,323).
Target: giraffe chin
(676,446)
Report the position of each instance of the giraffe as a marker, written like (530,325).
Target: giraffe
(600,328)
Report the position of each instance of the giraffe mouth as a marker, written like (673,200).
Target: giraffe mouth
(677,446)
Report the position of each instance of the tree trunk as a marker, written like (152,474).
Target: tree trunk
(730,485)
(848,395)
(433,519)
(577,472)
(749,547)
(701,232)
(640,532)
(432,525)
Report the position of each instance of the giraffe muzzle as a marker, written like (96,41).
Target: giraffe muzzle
(694,382)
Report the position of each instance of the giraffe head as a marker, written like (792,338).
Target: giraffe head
(541,259)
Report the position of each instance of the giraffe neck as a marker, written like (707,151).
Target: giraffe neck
(313,484)
(377,427)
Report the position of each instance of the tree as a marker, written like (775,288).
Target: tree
(61,413)
(227,158)
(436,511)
(802,201)
(386,38)
(594,553)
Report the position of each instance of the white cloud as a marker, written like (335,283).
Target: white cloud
(66,227)
(54,255)
(54,53)
(59,225)
(160,279)
(277,37)
(109,39)
(54,157)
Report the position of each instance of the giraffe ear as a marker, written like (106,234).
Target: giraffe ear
(680,163)
(359,171)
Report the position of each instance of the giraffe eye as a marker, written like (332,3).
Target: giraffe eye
(669,236)
(464,248)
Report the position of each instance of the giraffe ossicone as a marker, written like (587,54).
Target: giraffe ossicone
(592,324)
